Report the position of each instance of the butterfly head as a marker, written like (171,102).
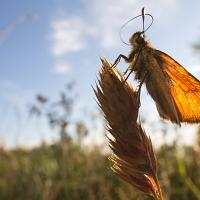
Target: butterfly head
(137,39)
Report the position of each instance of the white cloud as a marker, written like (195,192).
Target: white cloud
(61,68)
(68,35)
(4,34)
(110,15)
(104,19)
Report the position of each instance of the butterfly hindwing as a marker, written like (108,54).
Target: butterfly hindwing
(158,86)
(183,86)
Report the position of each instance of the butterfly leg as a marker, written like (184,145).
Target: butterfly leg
(119,58)
(139,89)
(135,57)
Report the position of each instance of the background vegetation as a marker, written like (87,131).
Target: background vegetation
(69,170)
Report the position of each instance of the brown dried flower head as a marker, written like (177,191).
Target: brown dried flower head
(133,157)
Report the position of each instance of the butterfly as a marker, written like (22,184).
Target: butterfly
(175,91)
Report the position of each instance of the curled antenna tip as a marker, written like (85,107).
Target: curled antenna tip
(143,11)
(143,16)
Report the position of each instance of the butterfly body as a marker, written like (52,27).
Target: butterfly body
(175,91)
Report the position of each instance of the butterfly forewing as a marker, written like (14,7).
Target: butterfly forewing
(183,86)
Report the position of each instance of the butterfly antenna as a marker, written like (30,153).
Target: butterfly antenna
(143,18)
(152,20)
(122,27)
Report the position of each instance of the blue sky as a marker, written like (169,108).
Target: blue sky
(45,44)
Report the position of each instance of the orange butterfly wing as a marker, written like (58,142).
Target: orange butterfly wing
(183,86)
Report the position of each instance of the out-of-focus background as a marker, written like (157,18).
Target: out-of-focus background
(52,135)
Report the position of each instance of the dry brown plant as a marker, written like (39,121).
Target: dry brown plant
(133,157)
